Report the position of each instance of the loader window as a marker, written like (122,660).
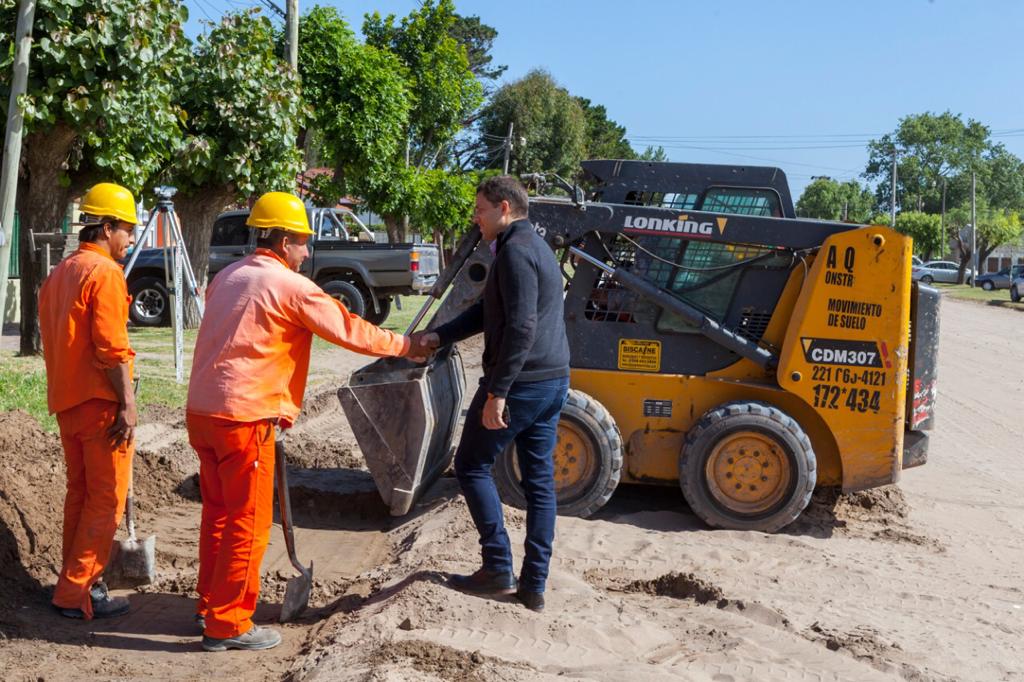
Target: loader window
(742,200)
(708,279)
(676,200)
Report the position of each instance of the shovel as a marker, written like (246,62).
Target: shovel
(296,592)
(132,563)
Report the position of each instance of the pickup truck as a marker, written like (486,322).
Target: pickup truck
(343,259)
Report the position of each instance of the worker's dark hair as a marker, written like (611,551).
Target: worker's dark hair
(272,240)
(93,228)
(506,188)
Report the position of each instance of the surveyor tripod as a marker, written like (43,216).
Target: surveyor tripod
(179,277)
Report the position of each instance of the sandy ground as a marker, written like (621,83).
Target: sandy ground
(921,581)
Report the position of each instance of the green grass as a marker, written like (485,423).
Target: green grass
(23,387)
(23,380)
(999,297)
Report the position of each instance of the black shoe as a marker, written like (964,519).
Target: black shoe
(485,582)
(531,600)
(107,607)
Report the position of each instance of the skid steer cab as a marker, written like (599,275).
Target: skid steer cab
(718,344)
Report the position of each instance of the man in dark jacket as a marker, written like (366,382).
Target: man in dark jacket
(526,379)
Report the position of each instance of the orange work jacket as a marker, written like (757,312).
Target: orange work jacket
(252,353)
(83,321)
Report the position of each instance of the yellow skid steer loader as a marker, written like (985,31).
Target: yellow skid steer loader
(718,343)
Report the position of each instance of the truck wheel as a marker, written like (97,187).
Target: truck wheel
(1014,294)
(348,294)
(373,316)
(588,460)
(747,466)
(151,305)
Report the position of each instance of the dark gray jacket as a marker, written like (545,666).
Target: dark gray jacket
(520,314)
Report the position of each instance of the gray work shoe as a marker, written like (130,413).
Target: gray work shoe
(257,638)
(103,605)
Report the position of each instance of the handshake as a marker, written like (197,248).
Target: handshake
(422,345)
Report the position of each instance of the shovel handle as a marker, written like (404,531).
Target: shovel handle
(285,503)
(129,504)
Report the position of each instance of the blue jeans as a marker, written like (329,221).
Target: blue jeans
(533,410)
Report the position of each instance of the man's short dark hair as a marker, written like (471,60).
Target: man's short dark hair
(272,240)
(92,230)
(506,188)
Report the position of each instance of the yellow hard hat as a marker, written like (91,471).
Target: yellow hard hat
(108,199)
(281,211)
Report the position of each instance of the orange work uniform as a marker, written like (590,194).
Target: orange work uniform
(83,318)
(248,374)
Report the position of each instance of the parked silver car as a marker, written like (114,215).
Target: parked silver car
(994,280)
(939,271)
(1016,283)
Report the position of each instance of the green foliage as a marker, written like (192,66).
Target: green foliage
(995,227)
(605,139)
(360,100)
(653,154)
(829,199)
(444,90)
(478,39)
(546,116)
(23,387)
(924,228)
(106,69)
(446,202)
(244,110)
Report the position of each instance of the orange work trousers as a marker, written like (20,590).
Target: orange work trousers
(236,479)
(98,471)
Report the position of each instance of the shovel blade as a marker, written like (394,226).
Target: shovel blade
(296,595)
(132,563)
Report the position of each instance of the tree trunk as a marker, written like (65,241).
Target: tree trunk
(42,203)
(197,210)
(395,225)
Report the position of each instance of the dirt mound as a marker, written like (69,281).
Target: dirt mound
(876,514)
(32,485)
(431,659)
(316,451)
(166,475)
(678,586)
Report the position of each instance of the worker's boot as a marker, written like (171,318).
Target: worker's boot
(103,605)
(531,600)
(257,638)
(485,582)
(200,621)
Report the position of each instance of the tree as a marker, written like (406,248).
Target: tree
(360,98)
(829,199)
(244,111)
(924,228)
(651,153)
(478,39)
(995,228)
(929,147)
(100,105)
(444,93)
(550,126)
(605,139)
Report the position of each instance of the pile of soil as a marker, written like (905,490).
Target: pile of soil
(876,514)
(32,486)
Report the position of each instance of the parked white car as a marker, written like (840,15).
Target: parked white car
(939,271)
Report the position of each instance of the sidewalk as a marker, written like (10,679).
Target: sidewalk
(11,338)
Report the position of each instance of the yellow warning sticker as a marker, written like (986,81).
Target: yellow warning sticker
(640,355)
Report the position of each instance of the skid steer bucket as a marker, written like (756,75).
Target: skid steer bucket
(404,417)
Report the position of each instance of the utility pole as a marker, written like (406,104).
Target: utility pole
(292,21)
(508,148)
(974,232)
(942,223)
(892,199)
(12,142)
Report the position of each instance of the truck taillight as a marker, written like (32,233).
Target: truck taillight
(414,261)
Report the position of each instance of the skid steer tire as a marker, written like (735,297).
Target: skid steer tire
(747,466)
(584,424)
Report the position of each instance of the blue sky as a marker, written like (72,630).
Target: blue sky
(797,84)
